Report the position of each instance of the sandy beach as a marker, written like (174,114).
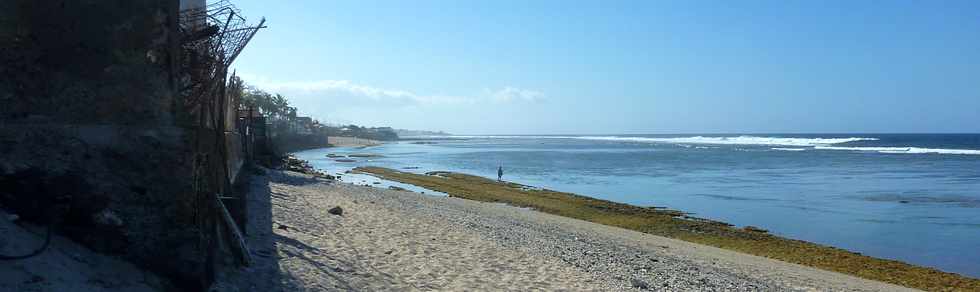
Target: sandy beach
(398,240)
(64,265)
(236,145)
(351,142)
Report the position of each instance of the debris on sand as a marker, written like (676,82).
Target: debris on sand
(336,211)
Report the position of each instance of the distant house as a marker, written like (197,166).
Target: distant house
(304,125)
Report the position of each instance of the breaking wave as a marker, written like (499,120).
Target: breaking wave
(789,144)
(732,140)
(903,150)
(788,149)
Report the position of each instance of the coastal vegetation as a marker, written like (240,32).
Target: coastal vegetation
(283,118)
(679,225)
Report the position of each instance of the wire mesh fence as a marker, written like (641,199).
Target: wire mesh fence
(211,38)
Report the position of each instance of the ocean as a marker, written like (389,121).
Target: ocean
(909,197)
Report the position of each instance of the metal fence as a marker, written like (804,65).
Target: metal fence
(212,38)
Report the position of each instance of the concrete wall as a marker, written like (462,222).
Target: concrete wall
(89,124)
(87,62)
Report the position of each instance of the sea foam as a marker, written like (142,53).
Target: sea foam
(815,143)
(743,140)
(788,149)
(903,150)
(730,140)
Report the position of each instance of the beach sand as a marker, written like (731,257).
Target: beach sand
(64,265)
(351,142)
(398,240)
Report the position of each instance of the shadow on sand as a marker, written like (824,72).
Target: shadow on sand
(271,251)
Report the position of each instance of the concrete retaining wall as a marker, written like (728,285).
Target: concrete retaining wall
(91,125)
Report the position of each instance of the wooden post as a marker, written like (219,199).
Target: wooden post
(238,245)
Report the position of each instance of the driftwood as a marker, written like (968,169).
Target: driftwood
(238,245)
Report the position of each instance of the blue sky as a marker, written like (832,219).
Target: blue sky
(624,67)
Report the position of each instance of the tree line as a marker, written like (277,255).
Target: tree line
(282,117)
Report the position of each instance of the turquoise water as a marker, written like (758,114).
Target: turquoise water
(914,198)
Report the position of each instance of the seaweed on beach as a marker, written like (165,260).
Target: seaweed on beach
(680,225)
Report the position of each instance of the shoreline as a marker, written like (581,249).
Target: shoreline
(291,146)
(335,141)
(675,224)
(386,240)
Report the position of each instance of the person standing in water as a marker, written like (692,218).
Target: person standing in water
(500,172)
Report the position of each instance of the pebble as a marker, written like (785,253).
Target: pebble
(639,284)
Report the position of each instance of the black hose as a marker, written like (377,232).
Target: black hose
(47,241)
(53,215)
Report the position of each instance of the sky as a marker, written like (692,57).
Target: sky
(623,67)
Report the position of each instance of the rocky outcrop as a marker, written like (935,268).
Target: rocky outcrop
(302,166)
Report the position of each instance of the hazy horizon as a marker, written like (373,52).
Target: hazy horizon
(624,67)
(708,133)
